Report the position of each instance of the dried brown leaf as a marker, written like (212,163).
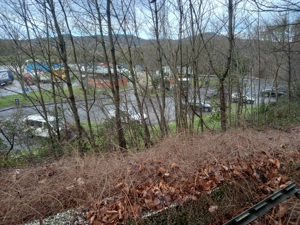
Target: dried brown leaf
(92,218)
(142,168)
(161,171)
(156,202)
(174,166)
(212,208)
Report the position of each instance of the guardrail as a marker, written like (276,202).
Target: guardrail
(264,206)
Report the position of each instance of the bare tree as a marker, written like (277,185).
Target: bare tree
(281,36)
(61,47)
(278,6)
(125,17)
(155,10)
(222,73)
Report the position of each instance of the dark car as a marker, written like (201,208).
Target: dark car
(269,92)
(248,99)
(197,106)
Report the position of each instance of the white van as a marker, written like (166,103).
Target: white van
(37,125)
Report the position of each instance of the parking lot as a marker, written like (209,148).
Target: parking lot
(96,113)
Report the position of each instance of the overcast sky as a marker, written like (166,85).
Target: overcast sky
(134,16)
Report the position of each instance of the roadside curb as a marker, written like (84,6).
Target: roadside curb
(28,106)
(47,103)
(8,108)
(22,106)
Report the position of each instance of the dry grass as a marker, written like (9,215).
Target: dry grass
(33,193)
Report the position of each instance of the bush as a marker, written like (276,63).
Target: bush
(275,114)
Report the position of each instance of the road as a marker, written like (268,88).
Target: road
(98,109)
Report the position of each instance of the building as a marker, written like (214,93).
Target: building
(100,77)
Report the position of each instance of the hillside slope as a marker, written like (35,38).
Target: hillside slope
(114,187)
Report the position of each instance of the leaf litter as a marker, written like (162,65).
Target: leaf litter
(115,188)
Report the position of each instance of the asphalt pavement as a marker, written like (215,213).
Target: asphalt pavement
(96,111)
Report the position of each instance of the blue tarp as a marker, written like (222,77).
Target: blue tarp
(41,66)
(56,66)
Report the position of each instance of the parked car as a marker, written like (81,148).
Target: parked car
(245,98)
(235,97)
(6,77)
(205,107)
(212,94)
(197,105)
(248,99)
(127,115)
(36,125)
(269,92)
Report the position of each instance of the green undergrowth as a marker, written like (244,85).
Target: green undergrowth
(275,115)
(26,157)
(283,113)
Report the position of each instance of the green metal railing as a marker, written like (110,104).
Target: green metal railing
(264,206)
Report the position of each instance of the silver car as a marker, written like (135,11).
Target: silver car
(127,115)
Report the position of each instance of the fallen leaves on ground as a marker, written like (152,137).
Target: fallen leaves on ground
(165,187)
(115,187)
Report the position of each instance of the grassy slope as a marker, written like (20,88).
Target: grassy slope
(35,192)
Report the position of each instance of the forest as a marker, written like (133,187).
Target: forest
(123,78)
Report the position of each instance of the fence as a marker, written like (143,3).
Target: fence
(264,206)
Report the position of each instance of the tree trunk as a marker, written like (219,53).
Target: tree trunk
(63,54)
(115,83)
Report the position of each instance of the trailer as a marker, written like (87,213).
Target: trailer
(6,77)
(39,71)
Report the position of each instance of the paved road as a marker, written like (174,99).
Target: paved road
(15,88)
(101,105)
